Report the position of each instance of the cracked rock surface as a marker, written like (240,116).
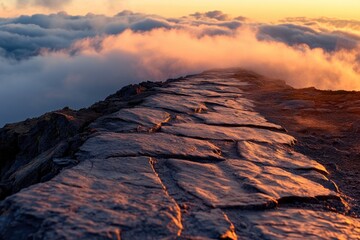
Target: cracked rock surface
(194,160)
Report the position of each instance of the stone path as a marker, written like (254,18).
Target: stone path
(193,161)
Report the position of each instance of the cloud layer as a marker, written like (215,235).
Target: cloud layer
(57,60)
(294,35)
(27,36)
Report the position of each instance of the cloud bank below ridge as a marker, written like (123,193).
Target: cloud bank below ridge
(57,60)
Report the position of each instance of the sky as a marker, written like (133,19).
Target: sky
(57,53)
(261,10)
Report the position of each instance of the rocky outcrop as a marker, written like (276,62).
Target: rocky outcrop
(188,159)
(29,150)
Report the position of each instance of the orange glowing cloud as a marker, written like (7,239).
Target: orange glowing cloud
(168,53)
(56,60)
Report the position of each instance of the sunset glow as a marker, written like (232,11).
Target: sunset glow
(255,9)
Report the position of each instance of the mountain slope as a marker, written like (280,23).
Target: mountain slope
(191,158)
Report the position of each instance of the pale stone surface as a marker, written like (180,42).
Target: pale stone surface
(248,186)
(98,199)
(141,115)
(139,119)
(183,104)
(221,81)
(205,131)
(276,156)
(205,86)
(232,103)
(215,186)
(196,91)
(319,177)
(108,145)
(234,117)
(297,224)
(276,182)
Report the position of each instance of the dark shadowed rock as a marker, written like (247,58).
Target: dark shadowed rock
(293,104)
(27,148)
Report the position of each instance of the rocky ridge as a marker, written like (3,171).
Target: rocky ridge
(187,159)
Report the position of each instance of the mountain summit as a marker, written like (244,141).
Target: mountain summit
(191,158)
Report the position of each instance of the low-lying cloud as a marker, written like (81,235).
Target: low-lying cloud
(326,23)
(294,35)
(27,36)
(52,61)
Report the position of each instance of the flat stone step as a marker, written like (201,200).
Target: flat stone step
(98,199)
(107,145)
(204,131)
(296,224)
